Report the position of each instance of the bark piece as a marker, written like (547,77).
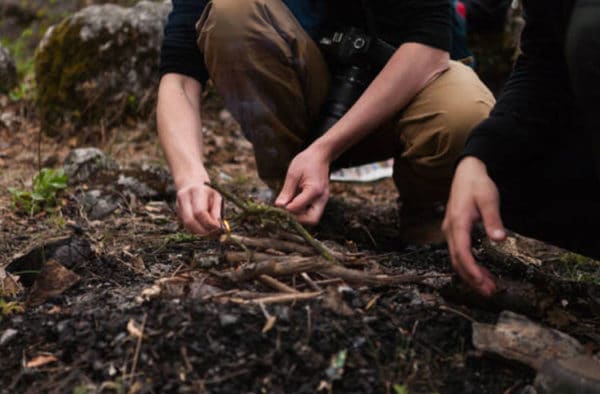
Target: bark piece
(53,280)
(517,338)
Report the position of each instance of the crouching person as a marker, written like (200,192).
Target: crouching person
(534,164)
(417,106)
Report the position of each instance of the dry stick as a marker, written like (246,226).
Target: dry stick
(365,278)
(285,298)
(277,285)
(287,236)
(311,283)
(276,268)
(327,281)
(456,311)
(243,257)
(251,295)
(266,243)
(138,347)
(277,213)
(220,294)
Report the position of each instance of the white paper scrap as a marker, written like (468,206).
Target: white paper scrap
(366,173)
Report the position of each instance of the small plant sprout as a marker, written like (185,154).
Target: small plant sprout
(43,196)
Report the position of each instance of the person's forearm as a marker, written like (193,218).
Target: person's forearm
(409,70)
(180,127)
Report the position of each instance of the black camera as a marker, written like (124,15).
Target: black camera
(355,58)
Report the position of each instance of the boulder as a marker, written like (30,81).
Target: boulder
(99,65)
(8,71)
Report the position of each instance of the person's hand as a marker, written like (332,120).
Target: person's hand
(306,188)
(473,196)
(199,206)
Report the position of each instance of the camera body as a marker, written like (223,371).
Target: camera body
(355,58)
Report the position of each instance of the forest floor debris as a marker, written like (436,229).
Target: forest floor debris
(152,308)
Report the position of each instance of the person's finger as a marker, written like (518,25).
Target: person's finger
(184,207)
(314,212)
(288,191)
(489,208)
(462,256)
(301,203)
(488,287)
(464,263)
(215,210)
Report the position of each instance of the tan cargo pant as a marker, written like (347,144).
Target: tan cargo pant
(274,81)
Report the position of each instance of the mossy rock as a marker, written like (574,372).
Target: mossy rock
(99,66)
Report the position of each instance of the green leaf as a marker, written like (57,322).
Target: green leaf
(400,389)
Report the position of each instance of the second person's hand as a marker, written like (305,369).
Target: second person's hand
(473,197)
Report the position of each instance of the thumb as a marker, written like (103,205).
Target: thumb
(490,214)
(288,191)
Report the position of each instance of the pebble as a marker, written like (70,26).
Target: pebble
(227,319)
(8,336)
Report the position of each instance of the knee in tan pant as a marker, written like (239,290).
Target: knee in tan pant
(434,129)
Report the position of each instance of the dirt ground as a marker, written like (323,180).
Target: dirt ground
(102,335)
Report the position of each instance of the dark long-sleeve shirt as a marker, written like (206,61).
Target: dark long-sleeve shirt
(538,121)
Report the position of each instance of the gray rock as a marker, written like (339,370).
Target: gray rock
(98,205)
(106,59)
(146,182)
(80,164)
(8,71)
(135,186)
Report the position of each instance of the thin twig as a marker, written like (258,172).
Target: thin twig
(369,279)
(275,268)
(285,298)
(245,257)
(267,243)
(310,282)
(457,312)
(138,347)
(277,285)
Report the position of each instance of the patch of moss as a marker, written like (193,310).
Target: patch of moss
(577,268)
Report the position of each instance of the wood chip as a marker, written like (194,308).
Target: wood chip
(269,324)
(40,361)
